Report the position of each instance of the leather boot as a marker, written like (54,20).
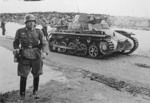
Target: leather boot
(35,87)
(22,89)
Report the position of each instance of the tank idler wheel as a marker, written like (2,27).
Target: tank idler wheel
(51,45)
(73,48)
(84,49)
(93,51)
(136,44)
(62,50)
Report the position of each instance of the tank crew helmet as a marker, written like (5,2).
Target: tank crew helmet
(29,17)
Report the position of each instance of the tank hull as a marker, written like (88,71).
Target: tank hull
(90,43)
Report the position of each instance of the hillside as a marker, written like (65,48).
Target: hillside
(131,22)
(128,22)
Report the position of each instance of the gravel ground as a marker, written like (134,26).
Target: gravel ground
(83,86)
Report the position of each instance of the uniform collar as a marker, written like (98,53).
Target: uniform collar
(30,29)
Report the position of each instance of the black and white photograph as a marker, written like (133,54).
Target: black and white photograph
(74,51)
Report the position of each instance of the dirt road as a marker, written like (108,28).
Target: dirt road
(116,79)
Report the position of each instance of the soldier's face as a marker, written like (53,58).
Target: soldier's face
(30,24)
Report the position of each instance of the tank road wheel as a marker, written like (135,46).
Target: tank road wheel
(136,44)
(52,48)
(73,48)
(93,51)
(62,50)
(84,50)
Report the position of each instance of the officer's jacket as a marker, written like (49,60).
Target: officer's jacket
(31,42)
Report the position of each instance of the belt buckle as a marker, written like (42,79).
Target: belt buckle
(30,46)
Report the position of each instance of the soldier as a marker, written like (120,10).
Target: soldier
(33,49)
(44,27)
(3,27)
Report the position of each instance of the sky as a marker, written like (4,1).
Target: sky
(136,8)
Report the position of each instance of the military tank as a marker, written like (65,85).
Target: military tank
(92,37)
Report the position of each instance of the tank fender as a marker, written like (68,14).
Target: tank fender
(122,32)
(115,35)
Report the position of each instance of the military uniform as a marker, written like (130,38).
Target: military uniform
(44,27)
(3,27)
(32,42)
(32,45)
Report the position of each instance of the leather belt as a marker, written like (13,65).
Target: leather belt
(30,46)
